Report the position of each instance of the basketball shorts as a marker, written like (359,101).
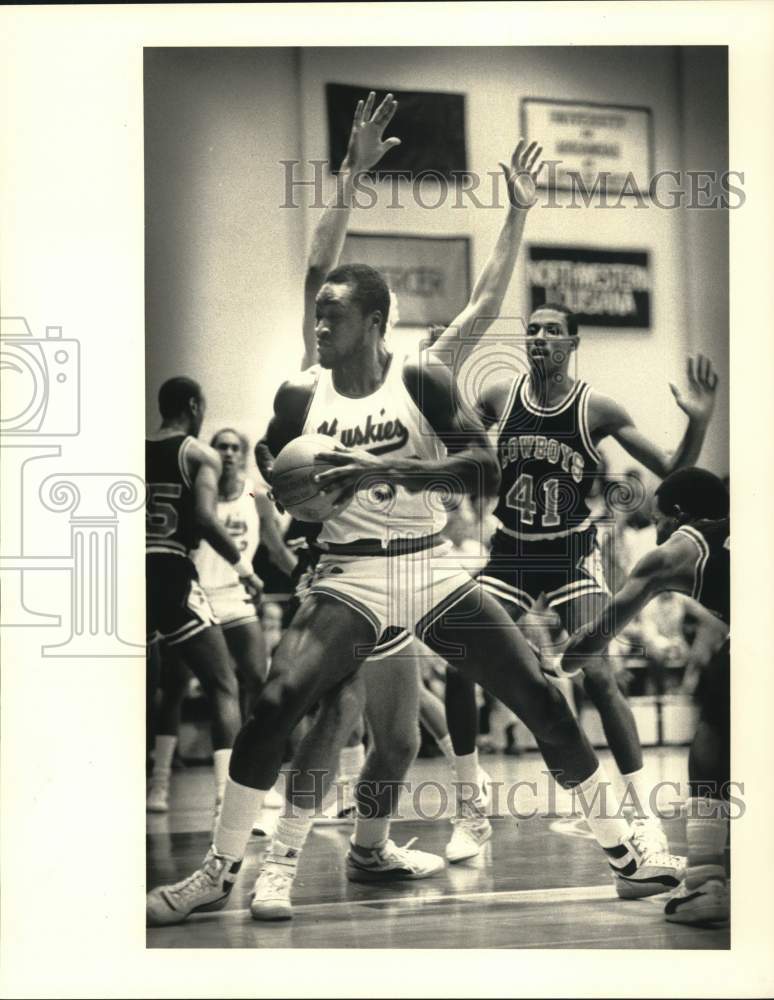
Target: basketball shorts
(176,607)
(393,640)
(400,595)
(562,570)
(231,605)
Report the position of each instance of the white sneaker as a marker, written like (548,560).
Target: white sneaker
(706,904)
(158,796)
(207,889)
(390,863)
(471,831)
(271,893)
(651,838)
(639,870)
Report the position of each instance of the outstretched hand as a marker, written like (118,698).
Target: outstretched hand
(522,173)
(698,401)
(366,146)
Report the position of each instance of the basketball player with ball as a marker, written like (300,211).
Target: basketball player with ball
(384,564)
(393,727)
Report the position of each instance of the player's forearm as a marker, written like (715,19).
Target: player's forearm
(689,449)
(473,471)
(213,532)
(282,557)
(331,230)
(492,284)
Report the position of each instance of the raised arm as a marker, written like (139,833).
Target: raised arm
(489,291)
(365,149)
(698,402)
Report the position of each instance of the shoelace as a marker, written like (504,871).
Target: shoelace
(392,852)
(274,878)
(203,878)
(471,813)
(650,844)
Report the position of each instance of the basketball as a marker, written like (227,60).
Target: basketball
(292,482)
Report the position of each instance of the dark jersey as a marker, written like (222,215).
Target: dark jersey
(712,571)
(547,462)
(170,524)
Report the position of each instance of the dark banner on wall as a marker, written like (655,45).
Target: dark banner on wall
(603,287)
(431,128)
(429,274)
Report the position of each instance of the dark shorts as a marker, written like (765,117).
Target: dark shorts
(713,693)
(176,607)
(563,570)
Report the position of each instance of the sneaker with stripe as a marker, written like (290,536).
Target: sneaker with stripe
(640,871)
(207,889)
(707,904)
(390,863)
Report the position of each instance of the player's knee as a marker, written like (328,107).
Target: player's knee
(397,752)
(599,682)
(278,700)
(550,717)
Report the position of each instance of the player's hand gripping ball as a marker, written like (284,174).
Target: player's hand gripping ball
(292,479)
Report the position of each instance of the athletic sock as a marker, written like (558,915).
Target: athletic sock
(707,833)
(370,833)
(636,793)
(447,748)
(291,833)
(240,807)
(221,760)
(467,772)
(600,806)
(351,760)
(163,752)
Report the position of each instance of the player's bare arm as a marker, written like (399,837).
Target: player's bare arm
(668,567)
(271,536)
(486,300)
(366,147)
(492,402)
(290,406)
(205,467)
(471,465)
(608,418)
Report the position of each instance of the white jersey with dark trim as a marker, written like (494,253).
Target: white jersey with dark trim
(547,463)
(387,422)
(240,518)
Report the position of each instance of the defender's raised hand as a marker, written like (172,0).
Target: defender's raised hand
(699,399)
(522,173)
(366,146)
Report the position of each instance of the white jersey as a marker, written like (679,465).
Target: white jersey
(388,422)
(240,519)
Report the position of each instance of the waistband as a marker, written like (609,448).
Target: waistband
(375,546)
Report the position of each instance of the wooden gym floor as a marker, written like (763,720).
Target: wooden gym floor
(539,883)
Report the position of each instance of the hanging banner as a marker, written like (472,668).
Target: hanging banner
(592,144)
(429,274)
(602,287)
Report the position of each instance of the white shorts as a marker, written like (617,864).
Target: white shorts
(407,592)
(231,605)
